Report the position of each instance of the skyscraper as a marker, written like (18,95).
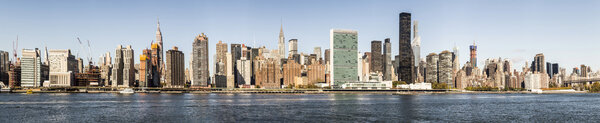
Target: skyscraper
(221,57)
(387,56)
(416,43)
(123,70)
(159,50)
(281,47)
(327,55)
(236,54)
(4,67)
(406,67)
(317,51)
(293,46)
(431,75)
(455,61)
(200,76)
(117,70)
(63,67)
(145,70)
(538,65)
(31,68)
(220,74)
(445,68)
(128,67)
(376,57)
(175,68)
(344,56)
(473,49)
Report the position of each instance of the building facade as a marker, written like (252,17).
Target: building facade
(63,67)
(293,46)
(376,57)
(175,68)
(200,74)
(406,67)
(32,69)
(431,75)
(344,57)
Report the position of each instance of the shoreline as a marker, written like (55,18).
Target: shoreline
(284,91)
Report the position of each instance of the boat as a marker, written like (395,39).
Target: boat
(5,90)
(29,91)
(127,91)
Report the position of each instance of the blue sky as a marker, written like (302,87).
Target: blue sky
(566,31)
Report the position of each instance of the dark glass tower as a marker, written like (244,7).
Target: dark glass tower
(406,67)
(376,57)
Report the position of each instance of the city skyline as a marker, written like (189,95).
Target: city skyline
(526,31)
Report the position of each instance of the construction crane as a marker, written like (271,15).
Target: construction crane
(15,47)
(89,55)
(89,52)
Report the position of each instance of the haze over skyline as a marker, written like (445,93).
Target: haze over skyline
(565,31)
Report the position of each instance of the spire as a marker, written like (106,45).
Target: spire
(158,33)
(281,29)
(416,38)
(416,29)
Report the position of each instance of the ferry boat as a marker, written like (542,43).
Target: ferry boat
(127,91)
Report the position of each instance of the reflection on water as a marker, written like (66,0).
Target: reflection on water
(142,107)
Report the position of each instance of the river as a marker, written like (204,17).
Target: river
(147,107)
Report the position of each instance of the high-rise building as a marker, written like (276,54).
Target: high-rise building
(293,46)
(317,51)
(158,53)
(431,75)
(376,57)
(146,69)
(416,43)
(175,68)
(105,70)
(128,67)
(117,71)
(315,73)
(129,71)
(387,59)
(63,67)
(584,70)
(473,49)
(291,70)
(281,47)
(229,71)
(156,66)
(200,76)
(220,74)
(221,57)
(538,65)
(236,54)
(14,75)
(267,73)
(123,72)
(79,65)
(327,55)
(245,72)
(445,68)
(4,67)
(406,67)
(31,68)
(455,59)
(344,56)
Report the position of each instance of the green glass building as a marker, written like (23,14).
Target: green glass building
(344,56)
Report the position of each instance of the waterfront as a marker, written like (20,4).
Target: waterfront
(145,107)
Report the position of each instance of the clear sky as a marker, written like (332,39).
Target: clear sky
(566,31)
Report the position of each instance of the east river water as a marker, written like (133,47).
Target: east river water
(144,107)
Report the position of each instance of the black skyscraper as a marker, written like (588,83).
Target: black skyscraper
(406,69)
(376,57)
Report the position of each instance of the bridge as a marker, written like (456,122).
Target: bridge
(581,80)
